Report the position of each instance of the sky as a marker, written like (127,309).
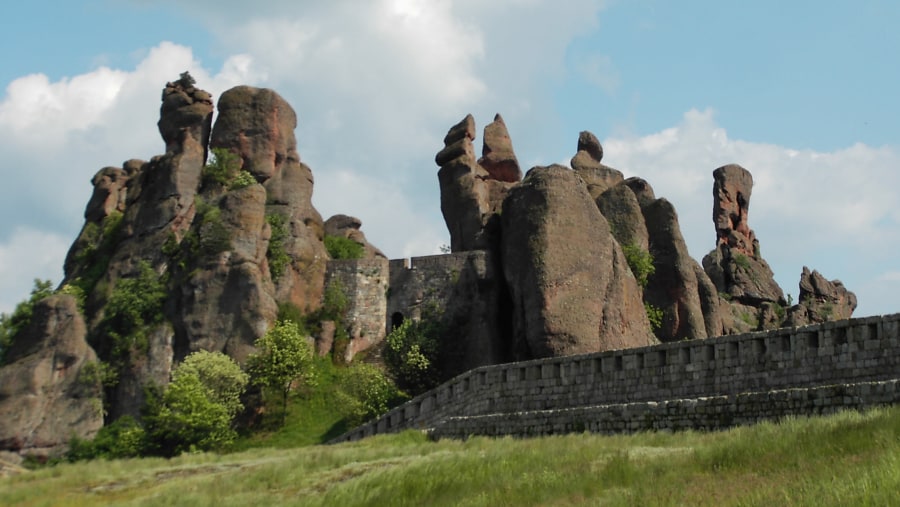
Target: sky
(804,94)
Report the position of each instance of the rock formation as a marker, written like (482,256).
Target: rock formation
(570,285)
(188,252)
(258,125)
(736,266)
(820,300)
(349,227)
(48,393)
(472,196)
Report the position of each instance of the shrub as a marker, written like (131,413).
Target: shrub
(284,357)
(368,392)
(222,168)
(742,261)
(640,262)
(124,438)
(212,237)
(654,315)
(410,354)
(243,180)
(340,247)
(276,254)
(12,324)
(197,408)
(133,305)
(97,243)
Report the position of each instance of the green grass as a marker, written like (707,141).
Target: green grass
(847,459)
(313,416)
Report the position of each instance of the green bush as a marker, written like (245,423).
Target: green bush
(367,392)
(340,247)
(124,438)
(654,315)
(742,261)
(12,324)
(243,180)
(277,254)
(212,236)
(198,407)
(640,262)
(411,355)
(283,358)
(97,244)
(134,304)
(222,168)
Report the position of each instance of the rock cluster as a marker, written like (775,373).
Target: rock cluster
(564,261)
(345,226)
(472,194)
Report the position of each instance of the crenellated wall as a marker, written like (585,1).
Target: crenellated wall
(690,384)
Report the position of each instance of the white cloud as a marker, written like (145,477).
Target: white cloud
(833,211)
(28,254)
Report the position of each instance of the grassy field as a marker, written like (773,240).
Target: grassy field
(847,459)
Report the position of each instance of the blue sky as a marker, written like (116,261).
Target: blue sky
(803,94)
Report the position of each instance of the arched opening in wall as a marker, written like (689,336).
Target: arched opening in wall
(396,320)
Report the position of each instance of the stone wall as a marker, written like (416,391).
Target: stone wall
(365,283)
(738,376)
(460,289)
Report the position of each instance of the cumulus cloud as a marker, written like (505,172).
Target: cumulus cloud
(833,211)
(28,254)
(55,135)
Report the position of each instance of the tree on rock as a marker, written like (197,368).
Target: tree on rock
(283,358)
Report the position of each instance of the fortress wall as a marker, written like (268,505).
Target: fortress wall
(707,413)
(462,291)
(365,283)
(845,352)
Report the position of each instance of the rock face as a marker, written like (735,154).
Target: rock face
(258,125)
(349,227)
(471,195)
(821,300)
(678,287)
(564,270)
(208,240)
(736,266)
(586,163)
(47,393)
(497,156)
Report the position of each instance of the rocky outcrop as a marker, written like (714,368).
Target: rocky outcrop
(50,391)
(570,286)
(345,226)
(586,163)
(497,156)
(678,286)
(821,300)
(258,125)
(471,195)
(735,266)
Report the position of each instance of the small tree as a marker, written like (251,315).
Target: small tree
(11,324)
(197,408)
(283,358)
(411,354)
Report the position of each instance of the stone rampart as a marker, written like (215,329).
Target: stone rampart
(845,353)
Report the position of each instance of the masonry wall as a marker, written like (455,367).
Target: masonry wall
(461,289)
(365,283)
(849,352)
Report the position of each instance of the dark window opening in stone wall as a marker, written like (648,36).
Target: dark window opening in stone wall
(396,320)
